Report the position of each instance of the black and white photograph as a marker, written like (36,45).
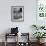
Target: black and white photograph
(17,13)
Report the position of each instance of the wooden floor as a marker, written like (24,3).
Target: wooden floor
(13,44)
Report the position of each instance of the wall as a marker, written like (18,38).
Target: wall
(29,15)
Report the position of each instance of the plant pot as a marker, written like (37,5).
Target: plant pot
(40,41)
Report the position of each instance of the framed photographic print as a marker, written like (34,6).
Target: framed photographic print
(17,13)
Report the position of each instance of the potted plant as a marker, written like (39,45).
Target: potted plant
(39,35)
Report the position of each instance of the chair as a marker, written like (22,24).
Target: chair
(14,32)
(7,35)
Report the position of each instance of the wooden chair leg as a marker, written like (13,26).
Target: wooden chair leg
(17,39)
(5,39)
(5,43)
